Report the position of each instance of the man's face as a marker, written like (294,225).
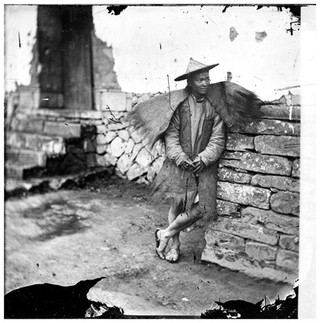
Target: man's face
(199,82)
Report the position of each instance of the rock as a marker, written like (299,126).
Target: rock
(278,145)
(110,160)
(235,260)
(144,158)
(260,251)
(135,151)
(227,208)
(282,112)
(101,149)
(135,136)
(129,146)
(124,134)
(268,127)
(102,129)
(265,164)
(285,202)
(124,163)
(236,141)
(224,240)
(109,136)
(101,139)
(288,259)
(117,147)
(135,171)
(65,130)
(271,220)
(279,182)
(157,164)
(247,230)
(289,242)
(244,194)
(296,168)
(225,174)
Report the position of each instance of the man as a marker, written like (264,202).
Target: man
(191,122)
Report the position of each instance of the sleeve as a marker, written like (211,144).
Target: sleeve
(216,143)
(172,141)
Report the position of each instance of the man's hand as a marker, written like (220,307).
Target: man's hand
(198,166)
(187,165)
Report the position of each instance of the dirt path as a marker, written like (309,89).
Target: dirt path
(107,229)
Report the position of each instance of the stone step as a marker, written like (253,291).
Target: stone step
(19,171)
(25,157)
(51,145)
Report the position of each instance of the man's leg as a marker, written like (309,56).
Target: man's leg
(182,221)
(174,252)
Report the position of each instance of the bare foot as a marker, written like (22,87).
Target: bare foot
(173,254)
(163,244)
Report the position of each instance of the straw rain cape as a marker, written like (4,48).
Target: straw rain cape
(232,102)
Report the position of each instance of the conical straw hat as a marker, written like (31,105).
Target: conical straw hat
(194,66)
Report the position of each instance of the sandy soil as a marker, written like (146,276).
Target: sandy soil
(107,229)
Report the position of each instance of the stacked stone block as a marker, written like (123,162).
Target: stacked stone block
(257,231)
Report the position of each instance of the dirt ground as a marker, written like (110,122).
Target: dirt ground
(106,228)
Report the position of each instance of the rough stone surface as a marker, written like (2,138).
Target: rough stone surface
(296,168)
(144,158)
(268,127)
(224,240)
(260,251)
(108,137)
(124,163)
(236,141)
(66,130)
(135,136)
(157,164)
(245,230)
(285,202)
(124,134)
(271,220)
(226,174)
(278,145)
(101,149)
(265,164)
(239,262)
(110,160)
(289,242)
(151,174)
(227,208)
(102,139)
(117,147)
(134,172)
(244,194)
(282,112)
(288,260)
(102,128)
(278,182)
(129,146)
